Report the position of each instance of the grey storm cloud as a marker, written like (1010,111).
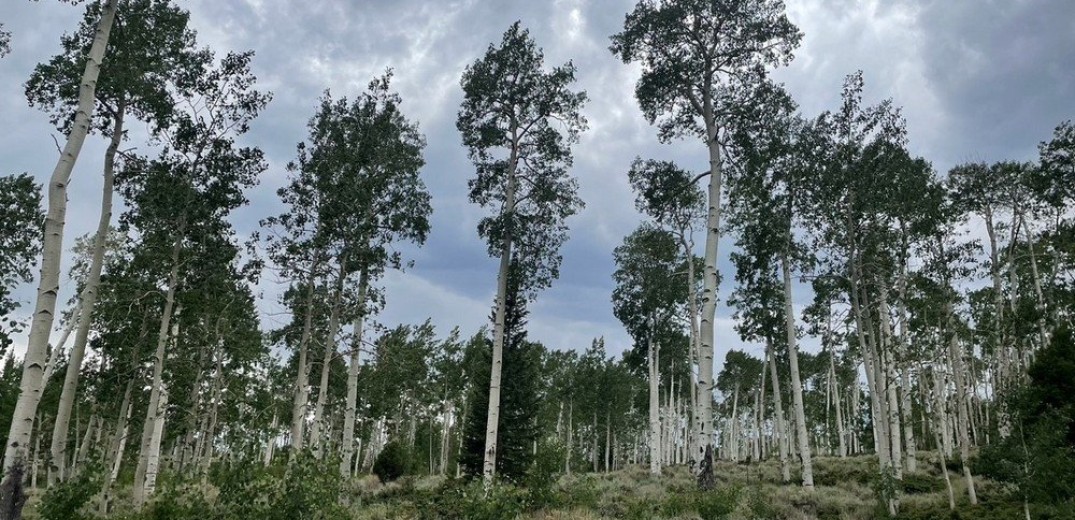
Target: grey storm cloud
(976,80)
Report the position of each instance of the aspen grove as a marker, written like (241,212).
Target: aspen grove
(814,321)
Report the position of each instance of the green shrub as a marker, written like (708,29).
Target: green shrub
(65,501)
(541,478)
(393,462)
(456,499)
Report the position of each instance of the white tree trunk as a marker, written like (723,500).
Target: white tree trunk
(492,423)
(119,442)
(841,431)
(88,300)
(955,354)
(785,466)
(654,410)
(905,373)
(302,377)
(352,380)
(55,352)
(704,424)
(150,449)
(153,459)
(796,384)
(316,434)
(22,420)
(270,446)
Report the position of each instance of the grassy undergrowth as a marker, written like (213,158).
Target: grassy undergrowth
(844,491)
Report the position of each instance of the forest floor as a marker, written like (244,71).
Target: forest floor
(845,489)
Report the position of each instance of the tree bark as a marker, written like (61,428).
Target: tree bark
(300,402)
(492,423)
(153,459)
(905,370)
(888,376)
(22,420)
(352,380)
(316,439)
(785,467)
(654,410)
(149,448)
(88,300)
(796,383)
(704,425)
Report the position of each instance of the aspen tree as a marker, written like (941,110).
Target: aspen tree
(696,54)
(22,421)
(518,122)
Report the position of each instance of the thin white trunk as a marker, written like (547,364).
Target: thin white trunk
(492,423)
(704,420)
(88,300)
(92,428)
(153,459)
(654,410)
(785,466)
(888,375)
(302,377)
(270,446)
(119,442)
(149,449)
(905,373)
(33,369)
(955,354)
(56,352)
(939,416)
(352,380)
(209,434)
(686,244)
(841,431)
(316,433)
(796,383)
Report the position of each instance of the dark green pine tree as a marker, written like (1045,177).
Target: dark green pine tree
(519,396)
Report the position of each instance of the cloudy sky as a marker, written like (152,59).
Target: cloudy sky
(977,80)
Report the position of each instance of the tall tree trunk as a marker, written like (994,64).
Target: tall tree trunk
(270,446)
(1000,346)
(570,436)
(939,416)
(123,424)
(733,427)
(888,376)
(205,454)
(1042,307)
(686,244)
(88,300)
(300,402)
(840,430)
(785,466)
(316,434)
(33,368)
(704,420)
(955,354)
(55,352)
(759,406)
(905,370)
(352,379)
(153,459)
(94,427)
(492,423)
(796,383)
(654,409)
(870,362)
(149,449)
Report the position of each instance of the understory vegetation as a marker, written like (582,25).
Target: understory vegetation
(845,489)
(893,340)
